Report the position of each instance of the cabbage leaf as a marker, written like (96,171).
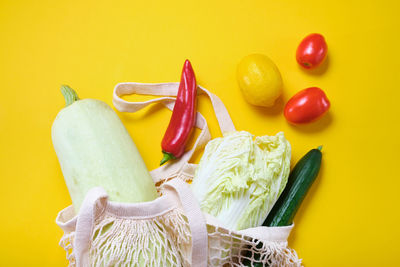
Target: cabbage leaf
(239,177)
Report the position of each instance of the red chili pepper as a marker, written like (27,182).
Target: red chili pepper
(183,116)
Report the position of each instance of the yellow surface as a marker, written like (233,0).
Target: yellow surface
(350,216)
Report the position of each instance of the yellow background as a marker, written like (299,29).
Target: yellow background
(351,214)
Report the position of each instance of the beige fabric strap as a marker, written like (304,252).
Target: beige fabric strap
(96,202)
(197,222)
(276,234)
(66,219)
(85,222)
(266,233)
(169,91)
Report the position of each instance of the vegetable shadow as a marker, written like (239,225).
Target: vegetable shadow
(316,126)
(275,110)
(320,70)
(305,205)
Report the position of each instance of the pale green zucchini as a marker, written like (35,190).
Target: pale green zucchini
(94,149)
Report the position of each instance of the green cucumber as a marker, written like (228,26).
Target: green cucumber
(300,180)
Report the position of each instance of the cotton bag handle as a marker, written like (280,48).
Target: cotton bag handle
(90,208)
(196,219)
(96,201)
(169,91)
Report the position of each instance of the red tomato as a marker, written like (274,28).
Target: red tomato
(311,51)
(306,106)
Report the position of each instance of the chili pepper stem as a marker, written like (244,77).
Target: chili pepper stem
(167,156)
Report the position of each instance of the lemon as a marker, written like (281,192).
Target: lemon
(259,79)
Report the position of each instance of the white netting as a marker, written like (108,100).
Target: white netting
(123,241)
(66,243)
(228,248)
(165,241)
(186,176)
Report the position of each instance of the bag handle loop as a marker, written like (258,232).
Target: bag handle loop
(169,91)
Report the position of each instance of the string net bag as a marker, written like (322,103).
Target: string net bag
(171,230)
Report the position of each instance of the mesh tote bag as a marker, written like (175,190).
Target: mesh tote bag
(171,230)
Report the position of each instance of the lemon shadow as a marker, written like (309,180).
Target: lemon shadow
(275,110)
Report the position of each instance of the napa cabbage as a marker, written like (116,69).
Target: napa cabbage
(239,177)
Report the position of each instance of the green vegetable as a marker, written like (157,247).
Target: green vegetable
(300,180)
(69,94)
(94,149)
(239,178)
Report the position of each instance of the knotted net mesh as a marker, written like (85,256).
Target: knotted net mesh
(166,241)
